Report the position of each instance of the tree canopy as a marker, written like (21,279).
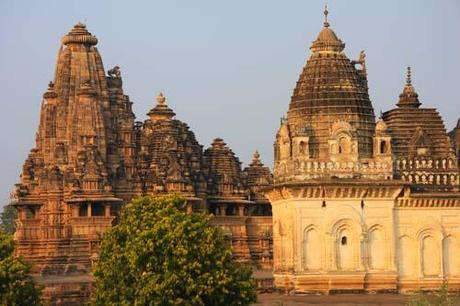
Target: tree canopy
(16,286)
(160,255)
(8,219)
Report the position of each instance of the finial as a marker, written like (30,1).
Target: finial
(50,85)
(256,155)
(409,76)
(161,99)
(326,12)
(80,25)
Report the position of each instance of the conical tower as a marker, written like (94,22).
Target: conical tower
(82,163)
(421,145)
(330,123)
(330,89)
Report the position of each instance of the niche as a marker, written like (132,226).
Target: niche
(383,147)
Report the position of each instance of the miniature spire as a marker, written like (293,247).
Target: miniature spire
(161,111)
(409,97)
(50,92)
(326,12)
(161,99)
(256,155)
(79,35)
(327,40)
(256,162)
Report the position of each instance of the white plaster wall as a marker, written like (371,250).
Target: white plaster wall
(427,242)
(328,223)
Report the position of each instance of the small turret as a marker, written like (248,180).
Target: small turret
(408,98)
(79,35)
(161,111)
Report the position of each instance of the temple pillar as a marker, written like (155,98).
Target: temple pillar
(222,209)
(89,210)
(241,210)
(75,209)
(107,210)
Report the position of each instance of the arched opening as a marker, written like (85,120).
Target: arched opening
(312,250)
(430,256)
(303,147)
(377,249)
(345,250)
(344,145)
(383,147)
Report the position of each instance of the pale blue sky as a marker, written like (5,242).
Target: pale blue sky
(227,67)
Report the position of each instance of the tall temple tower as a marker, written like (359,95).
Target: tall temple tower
(81,168)
(356,203)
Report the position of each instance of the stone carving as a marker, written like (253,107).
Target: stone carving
(114,72)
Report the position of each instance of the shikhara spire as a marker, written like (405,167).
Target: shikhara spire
(409,97)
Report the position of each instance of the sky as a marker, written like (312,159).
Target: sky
(227,68)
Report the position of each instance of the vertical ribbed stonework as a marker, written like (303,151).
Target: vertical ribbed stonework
(170,157)
(331,89)
(422,148)
(330,129)
(81,169)
(455,139)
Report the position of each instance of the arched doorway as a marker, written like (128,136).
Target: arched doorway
(377,249)
(431,264)
(346,250)
(312,250)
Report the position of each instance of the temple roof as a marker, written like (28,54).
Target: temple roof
(79,35)
(327,40)
(161,111)
(409,97)
(331,88)
(455,139)
(224,169)
(257,175)
(414,128)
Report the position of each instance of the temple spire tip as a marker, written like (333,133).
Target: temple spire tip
(326,12)
(409,76)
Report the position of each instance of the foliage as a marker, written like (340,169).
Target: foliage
(16,285)
(8,219)
(160,255)
(439,297)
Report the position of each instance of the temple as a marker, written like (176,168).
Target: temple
(91,157)
(361,204)
(354,202)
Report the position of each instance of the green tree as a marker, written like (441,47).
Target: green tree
(16,286)
(160,255)
(8,219)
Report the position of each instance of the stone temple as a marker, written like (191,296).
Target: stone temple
(357,203)
(360,204)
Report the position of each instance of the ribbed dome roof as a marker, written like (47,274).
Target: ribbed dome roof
(330,88)
(327,34)
(79,35)
(327,40)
